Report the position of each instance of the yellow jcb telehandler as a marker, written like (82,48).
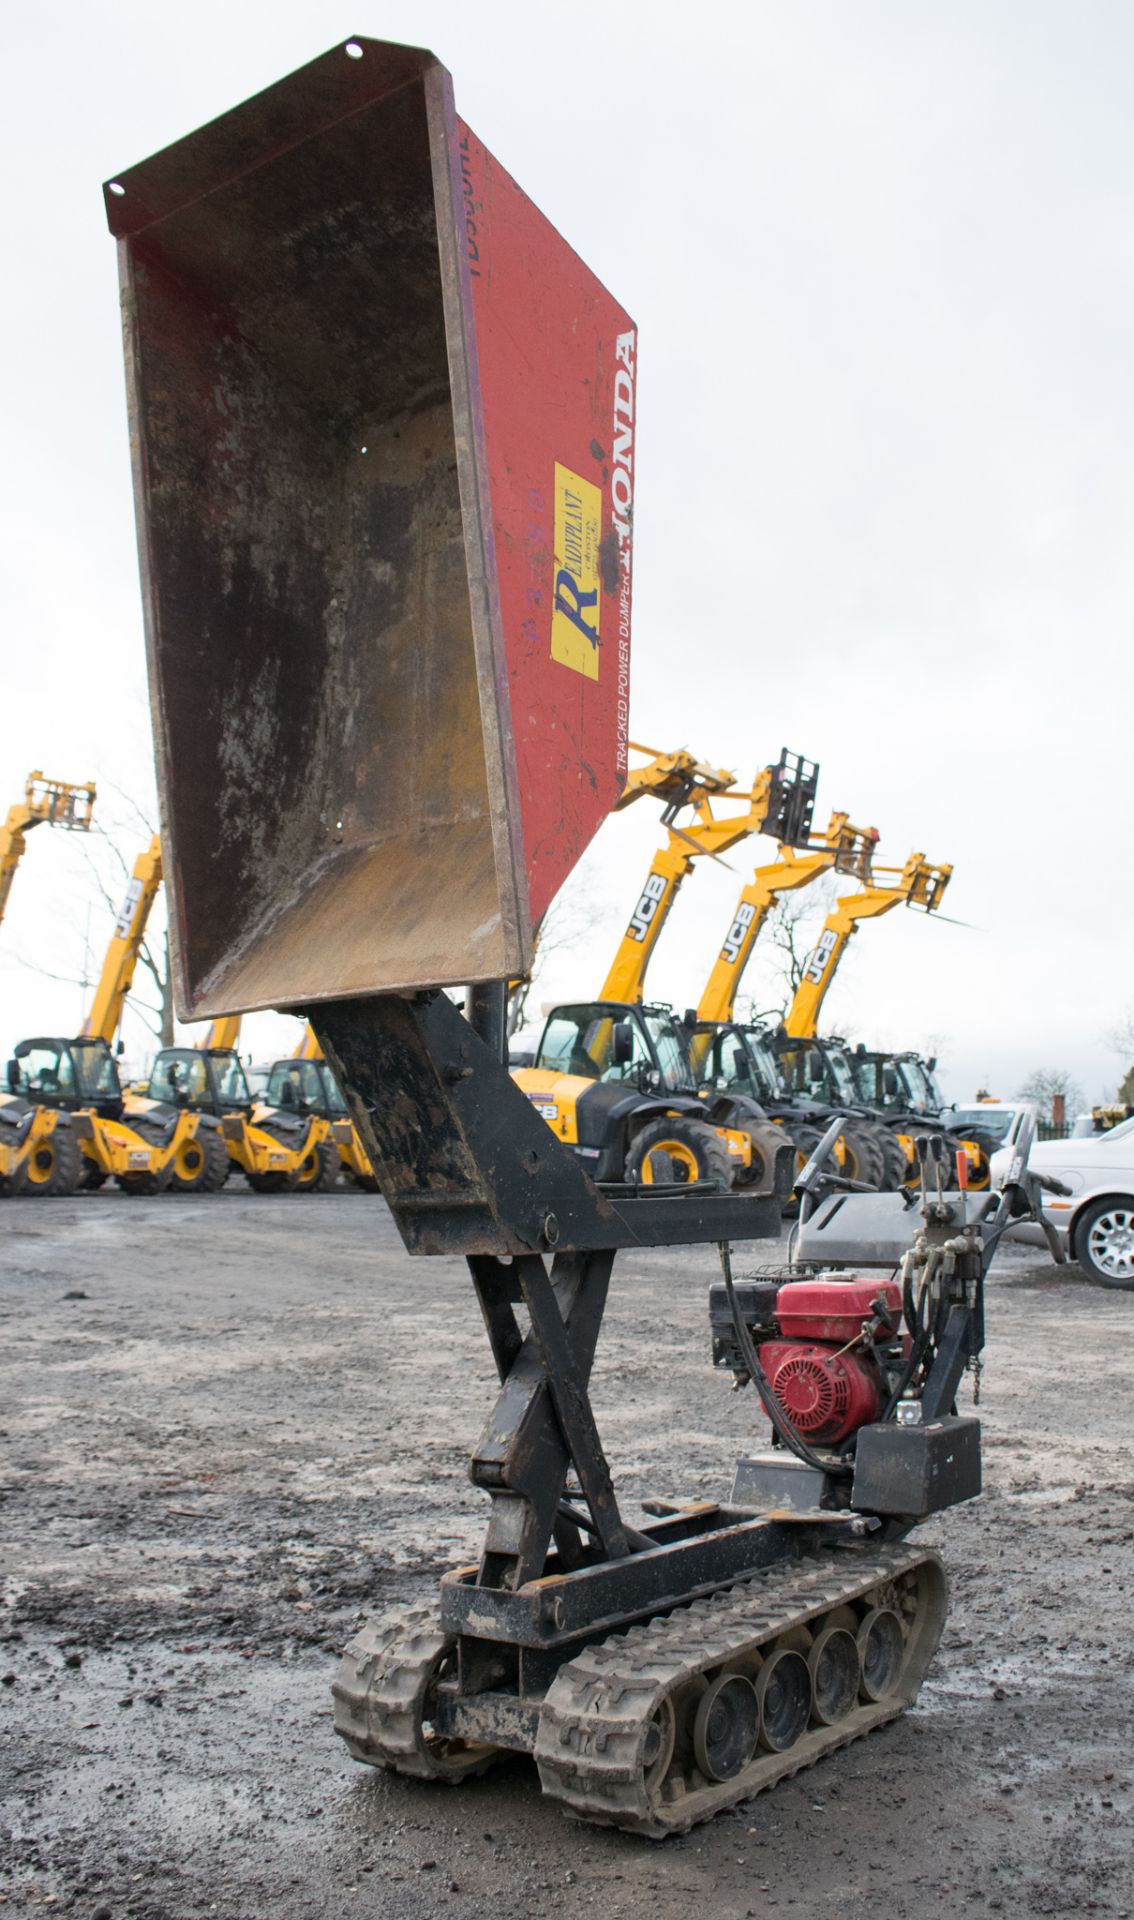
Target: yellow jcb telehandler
(305,1084)
(277,1148)
(143,1151)
(826,1065)
(39,1148)
(612,1077)
(734,1059)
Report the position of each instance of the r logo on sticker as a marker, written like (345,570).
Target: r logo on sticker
(576,600)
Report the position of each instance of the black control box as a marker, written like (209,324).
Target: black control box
(915,1470)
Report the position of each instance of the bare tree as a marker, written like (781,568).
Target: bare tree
(788,932)
(1044,1084)
(573,915)
(1122,1040)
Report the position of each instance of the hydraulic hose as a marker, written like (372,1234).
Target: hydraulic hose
(780,1422)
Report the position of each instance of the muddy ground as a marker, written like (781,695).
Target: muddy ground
(233,1427)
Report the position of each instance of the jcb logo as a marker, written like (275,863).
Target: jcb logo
(817,965)
(646,909)
(734,939)
(126,911)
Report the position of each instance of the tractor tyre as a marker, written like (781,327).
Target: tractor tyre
(805,1139)
(200,1164)
(865,1160)
(91,1177)
(52,1169)
(767,1141)
(320,1169)
(695,1152)
(897,1167)
(980,1176)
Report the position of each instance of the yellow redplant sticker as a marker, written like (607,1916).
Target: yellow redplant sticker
(576,601)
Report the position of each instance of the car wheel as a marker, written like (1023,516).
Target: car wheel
(1104,1243)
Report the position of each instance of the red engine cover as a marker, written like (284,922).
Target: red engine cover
(825,1394)
(832,1309)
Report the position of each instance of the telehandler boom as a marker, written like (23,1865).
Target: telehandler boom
(732,1059)
(52,803)
(412,508)
(121,958)
(917,884)
(844,848)
(780,802)
(222,1035)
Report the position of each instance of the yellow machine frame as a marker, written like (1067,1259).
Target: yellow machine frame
(917,884)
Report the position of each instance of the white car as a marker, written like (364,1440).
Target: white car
(999,1119)
(1096,1219)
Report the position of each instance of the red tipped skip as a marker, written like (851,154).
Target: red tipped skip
(384,428)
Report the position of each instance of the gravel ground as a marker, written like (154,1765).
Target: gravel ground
(233,1427)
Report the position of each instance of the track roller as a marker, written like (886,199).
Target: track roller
(658,1728)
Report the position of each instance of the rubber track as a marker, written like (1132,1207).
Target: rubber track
(379,1691)
(593,1723)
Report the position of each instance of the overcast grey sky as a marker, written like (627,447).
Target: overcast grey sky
(881,254)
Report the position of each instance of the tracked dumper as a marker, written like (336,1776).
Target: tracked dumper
(384,423)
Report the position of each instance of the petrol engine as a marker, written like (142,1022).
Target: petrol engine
(831,1349)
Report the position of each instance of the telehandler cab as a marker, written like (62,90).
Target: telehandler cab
(902,1089)
(277,1150)
(615,1083)
(80,1077)
(413,511)
(306,1082)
